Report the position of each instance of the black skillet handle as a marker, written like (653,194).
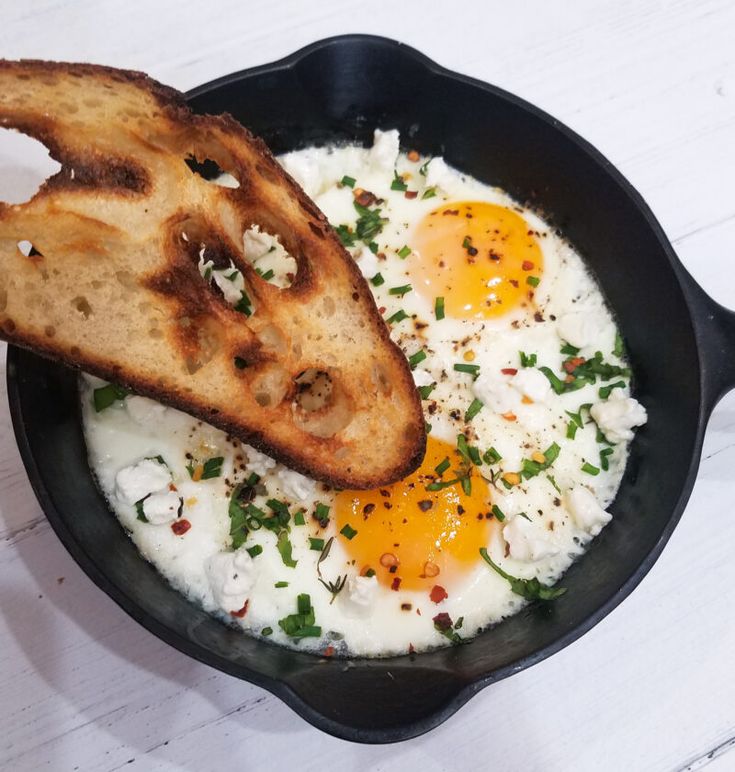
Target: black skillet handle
(714,327)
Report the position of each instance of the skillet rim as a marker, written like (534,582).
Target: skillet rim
(696,301)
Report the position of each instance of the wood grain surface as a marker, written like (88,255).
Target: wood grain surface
(652,85)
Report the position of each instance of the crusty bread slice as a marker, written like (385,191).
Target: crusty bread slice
(113,285)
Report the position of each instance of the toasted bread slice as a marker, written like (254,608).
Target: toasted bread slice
(113,286)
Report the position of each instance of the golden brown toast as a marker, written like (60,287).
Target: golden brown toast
(113,284)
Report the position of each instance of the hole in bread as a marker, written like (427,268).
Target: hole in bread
(82,305)
(273,340)
(270,385)
(211,171)
(320,406)
(20,181)
(269,257)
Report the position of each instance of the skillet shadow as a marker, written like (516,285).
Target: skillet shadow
(98,618)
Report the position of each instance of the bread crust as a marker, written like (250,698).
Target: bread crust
(116,289)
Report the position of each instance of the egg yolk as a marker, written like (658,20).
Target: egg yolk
(483,259)
(413,538)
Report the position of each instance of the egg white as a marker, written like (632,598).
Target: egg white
(128,431)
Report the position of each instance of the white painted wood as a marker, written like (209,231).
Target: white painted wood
(652,84)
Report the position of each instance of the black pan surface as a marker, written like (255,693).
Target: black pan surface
(678,339)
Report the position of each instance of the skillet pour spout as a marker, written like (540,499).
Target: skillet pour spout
(680,349)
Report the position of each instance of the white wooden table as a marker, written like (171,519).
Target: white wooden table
(652,85)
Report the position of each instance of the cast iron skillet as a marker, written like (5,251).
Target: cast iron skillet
(340,89)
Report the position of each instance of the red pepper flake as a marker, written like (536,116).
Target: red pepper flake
(411,194)
(328,652)
(509,371)
(572,364)
(453,212)
(527,265)
(443,621)
(365,197)
(241,613)
(438,593)
(381,310)
(396,583)
(180,527)
(413,155)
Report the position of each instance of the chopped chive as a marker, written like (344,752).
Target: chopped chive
(568,350)
(551,479)
(534,281)
(424,167)
(265,275)
(442,467)
(429,193)
(414,359)
(589,469)
(266,631)
(399,316)
(348,182)
(439,308)
(425,391)
(212,468)
(498,513)
(473,370)
(467,243)
(556,383)
(370,573)
(619,350)
(605,391)
(571,430)
(108,395)
(232,276)
(441,484)
(466,484)
(255,550)
(346,236)
(316,544)
(527,360)
(604,461)
(284,548)
(253,480)
(208,273)
(427,427)
(244,306)
(140,511)
(298,519)
(404,252)
(377,280)
(280,585)
(303,603)
(348,531)
(321,513)
(404,289)
(474,408)
(398,183)
(373,247)
(491,456)
(240,363)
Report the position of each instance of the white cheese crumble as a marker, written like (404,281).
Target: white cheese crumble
(531,383)
(295,485)
(231,576)
(361,594)
(384,151)
(496,393)
(587,513)
(160,508)
(438,174)
(618,416)
(258,462)
(231,282)
(132,483)
(526,541)
(367,262)
(304,168)
(422,377)
(579,328)
(144,411)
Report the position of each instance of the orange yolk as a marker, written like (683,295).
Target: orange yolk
(427,535)
(478,257)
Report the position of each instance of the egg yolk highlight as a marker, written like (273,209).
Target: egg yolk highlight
(483,259)
(415,536)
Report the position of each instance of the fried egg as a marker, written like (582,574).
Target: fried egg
(529,415)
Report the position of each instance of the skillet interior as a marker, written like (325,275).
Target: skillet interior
(341,89)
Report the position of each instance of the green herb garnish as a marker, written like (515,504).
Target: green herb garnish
(605,391)
(377,280)
(442,466)
(532,468)
(498,513)
(491,456)
(416,358)
(140,512)
(604,461)
(347,182)
(439,308)
(534,281)
(400,291)
(398,183)
(473,370)
(266,631)
(348,531)
(254,551)
(302,623)
(589,469)
(475,407)
(298,518)
(316,544)
(244,306)
(619,349)
(404,252)
(429,193)
(425,391)
(284,548)
(108,395)
(399,316)
(280,585)
(530,589)
(527,360)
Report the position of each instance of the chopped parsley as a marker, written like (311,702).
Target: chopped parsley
(211,468)
(530,589)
